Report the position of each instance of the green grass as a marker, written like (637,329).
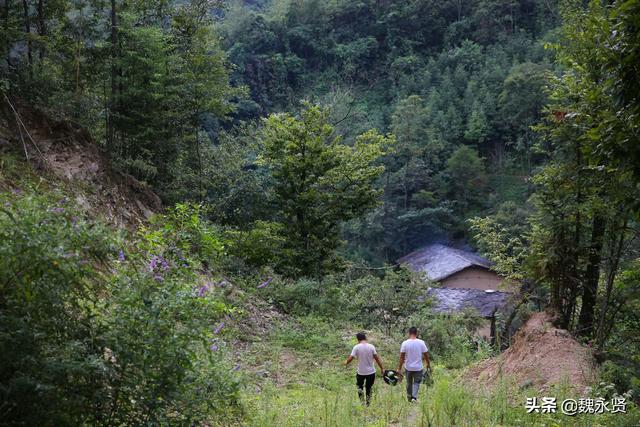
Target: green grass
(310,387)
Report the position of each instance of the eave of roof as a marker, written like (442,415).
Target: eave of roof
(453,300)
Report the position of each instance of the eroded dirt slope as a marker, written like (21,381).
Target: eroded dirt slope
(62,151)
(540,356)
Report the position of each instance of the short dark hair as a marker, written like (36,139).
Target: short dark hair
(413,331)
(360,336)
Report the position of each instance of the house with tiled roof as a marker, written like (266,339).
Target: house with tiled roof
(459,280)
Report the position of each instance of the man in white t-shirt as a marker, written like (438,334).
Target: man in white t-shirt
(366,373)
(412,351)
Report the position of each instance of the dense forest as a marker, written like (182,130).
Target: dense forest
(299,149)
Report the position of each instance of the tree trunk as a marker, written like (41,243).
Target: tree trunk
(7,46)
(492,329)
(559,282)
(114,79)
(616,253)
(592,277)
(42,28)
(27,29)
(200,177)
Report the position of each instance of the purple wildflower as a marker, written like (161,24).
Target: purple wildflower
(74,220)
(121,255)
(202,290)
(265,283)
(213,347)
(63,201)
(164,264)
(237,367)
(57,210)
(219,328)
(16,190)
(158,278)
(153,263)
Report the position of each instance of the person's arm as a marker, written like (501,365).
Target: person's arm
(401,362)
(349,359)
(426,359)
(379,362)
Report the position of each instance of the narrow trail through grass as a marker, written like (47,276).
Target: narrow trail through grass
(295,377)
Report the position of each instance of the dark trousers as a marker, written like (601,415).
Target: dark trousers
(366,382)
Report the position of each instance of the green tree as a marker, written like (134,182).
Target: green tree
(412,210)
(477,128)
(467,179)
(319,182)
(520,104)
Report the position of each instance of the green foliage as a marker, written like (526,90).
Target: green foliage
(623,379)
(385,301)
(574,243)
(309,334)
(52,369)
(261,245)
(142,76)
(237,191)
(318,182)
(477,128)
(88,341)
(326,298)
(583,200)
(452,339)
(184,232)
(169,367)
(388,301)
(467,178)
(504,247)
(435,75)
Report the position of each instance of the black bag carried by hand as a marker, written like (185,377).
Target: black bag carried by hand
(427,377)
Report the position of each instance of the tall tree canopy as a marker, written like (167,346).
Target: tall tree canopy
(318,182)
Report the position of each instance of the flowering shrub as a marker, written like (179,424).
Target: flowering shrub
(170,367)
(93,332)
(52,369)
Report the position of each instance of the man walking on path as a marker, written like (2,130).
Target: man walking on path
(366,373)
(412,351)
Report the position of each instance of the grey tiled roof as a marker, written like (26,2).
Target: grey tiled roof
(451,300)
(440,261)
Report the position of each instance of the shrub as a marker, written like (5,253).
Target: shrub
(85,340)
(309,296)
(168,356)
(386,301)
(450,338)
(52,369)
(622,378)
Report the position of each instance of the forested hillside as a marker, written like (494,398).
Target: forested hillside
(459,84)
(203,201)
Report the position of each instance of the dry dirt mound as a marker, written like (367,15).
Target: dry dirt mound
(540,356)
(60,150)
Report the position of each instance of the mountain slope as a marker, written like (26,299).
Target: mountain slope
(62,153)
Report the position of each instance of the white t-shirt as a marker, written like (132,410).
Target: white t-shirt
(413,350)
(364,352)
